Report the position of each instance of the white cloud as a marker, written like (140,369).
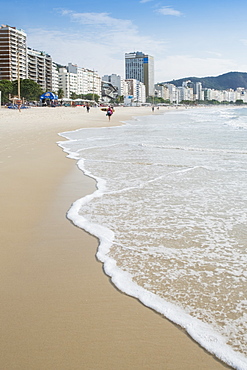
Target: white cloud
(99,41)
(167,10)
(69,47)
(93,40)
(116,34)
(214,53)
(98,19)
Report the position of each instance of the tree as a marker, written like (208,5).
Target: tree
(213,102)
(120,99)
(6,87)
(60,93)
(239,102)
(188,102)
(73,95)
(155,100)
(91,96)
(30,90)
(96,97)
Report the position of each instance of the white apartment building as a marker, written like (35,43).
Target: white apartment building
(55,78)
(13,53)
(125,88)
(212,94)
(185,93)
(67,81)
(40,68)
(78,80)
(161,91)
(82,83)
(94,82)
(241,94)
(232,95)
(189,93)
(19,61)
(199,93)
(136,90)
(63,81)
(173,93)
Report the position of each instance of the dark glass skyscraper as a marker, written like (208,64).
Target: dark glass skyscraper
(140,66)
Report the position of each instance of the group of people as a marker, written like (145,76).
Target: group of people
(109,110)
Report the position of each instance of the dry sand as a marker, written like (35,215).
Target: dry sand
(58,309)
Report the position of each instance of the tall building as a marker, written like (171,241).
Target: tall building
(63,81)
(140,66)
(19,61)
(137,90)
(54,77)
(185,93)
(199,93)
(173,93)
(13,53)
(74,79)
(40,68)
(162,91)
(94,82)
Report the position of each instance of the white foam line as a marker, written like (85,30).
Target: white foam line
(199,331)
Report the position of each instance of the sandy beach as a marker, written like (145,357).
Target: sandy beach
(58,309)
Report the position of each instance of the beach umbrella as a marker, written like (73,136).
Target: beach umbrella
(48,95)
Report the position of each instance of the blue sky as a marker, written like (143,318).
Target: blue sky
(186,38)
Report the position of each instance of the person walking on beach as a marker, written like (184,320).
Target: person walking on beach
(88,108)
(109,112)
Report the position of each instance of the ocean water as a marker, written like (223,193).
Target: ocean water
(170,212)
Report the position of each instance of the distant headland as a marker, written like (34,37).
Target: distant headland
(230,80)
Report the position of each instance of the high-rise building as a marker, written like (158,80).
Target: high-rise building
(140,66)
(74,79)
(162,91)
(19,61)
(40,68)
(137,90)
(54,77)
(13,53)
(199,93)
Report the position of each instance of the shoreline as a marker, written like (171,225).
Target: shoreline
(60,311)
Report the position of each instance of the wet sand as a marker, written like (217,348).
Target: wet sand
(58,308)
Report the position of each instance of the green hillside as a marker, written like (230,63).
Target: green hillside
(230,80)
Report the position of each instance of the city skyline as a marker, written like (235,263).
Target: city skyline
(185,39)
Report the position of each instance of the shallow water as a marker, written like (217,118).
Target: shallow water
(171,213)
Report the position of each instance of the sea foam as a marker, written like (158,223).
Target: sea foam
(170,218)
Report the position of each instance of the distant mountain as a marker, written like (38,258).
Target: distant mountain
(230,80)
